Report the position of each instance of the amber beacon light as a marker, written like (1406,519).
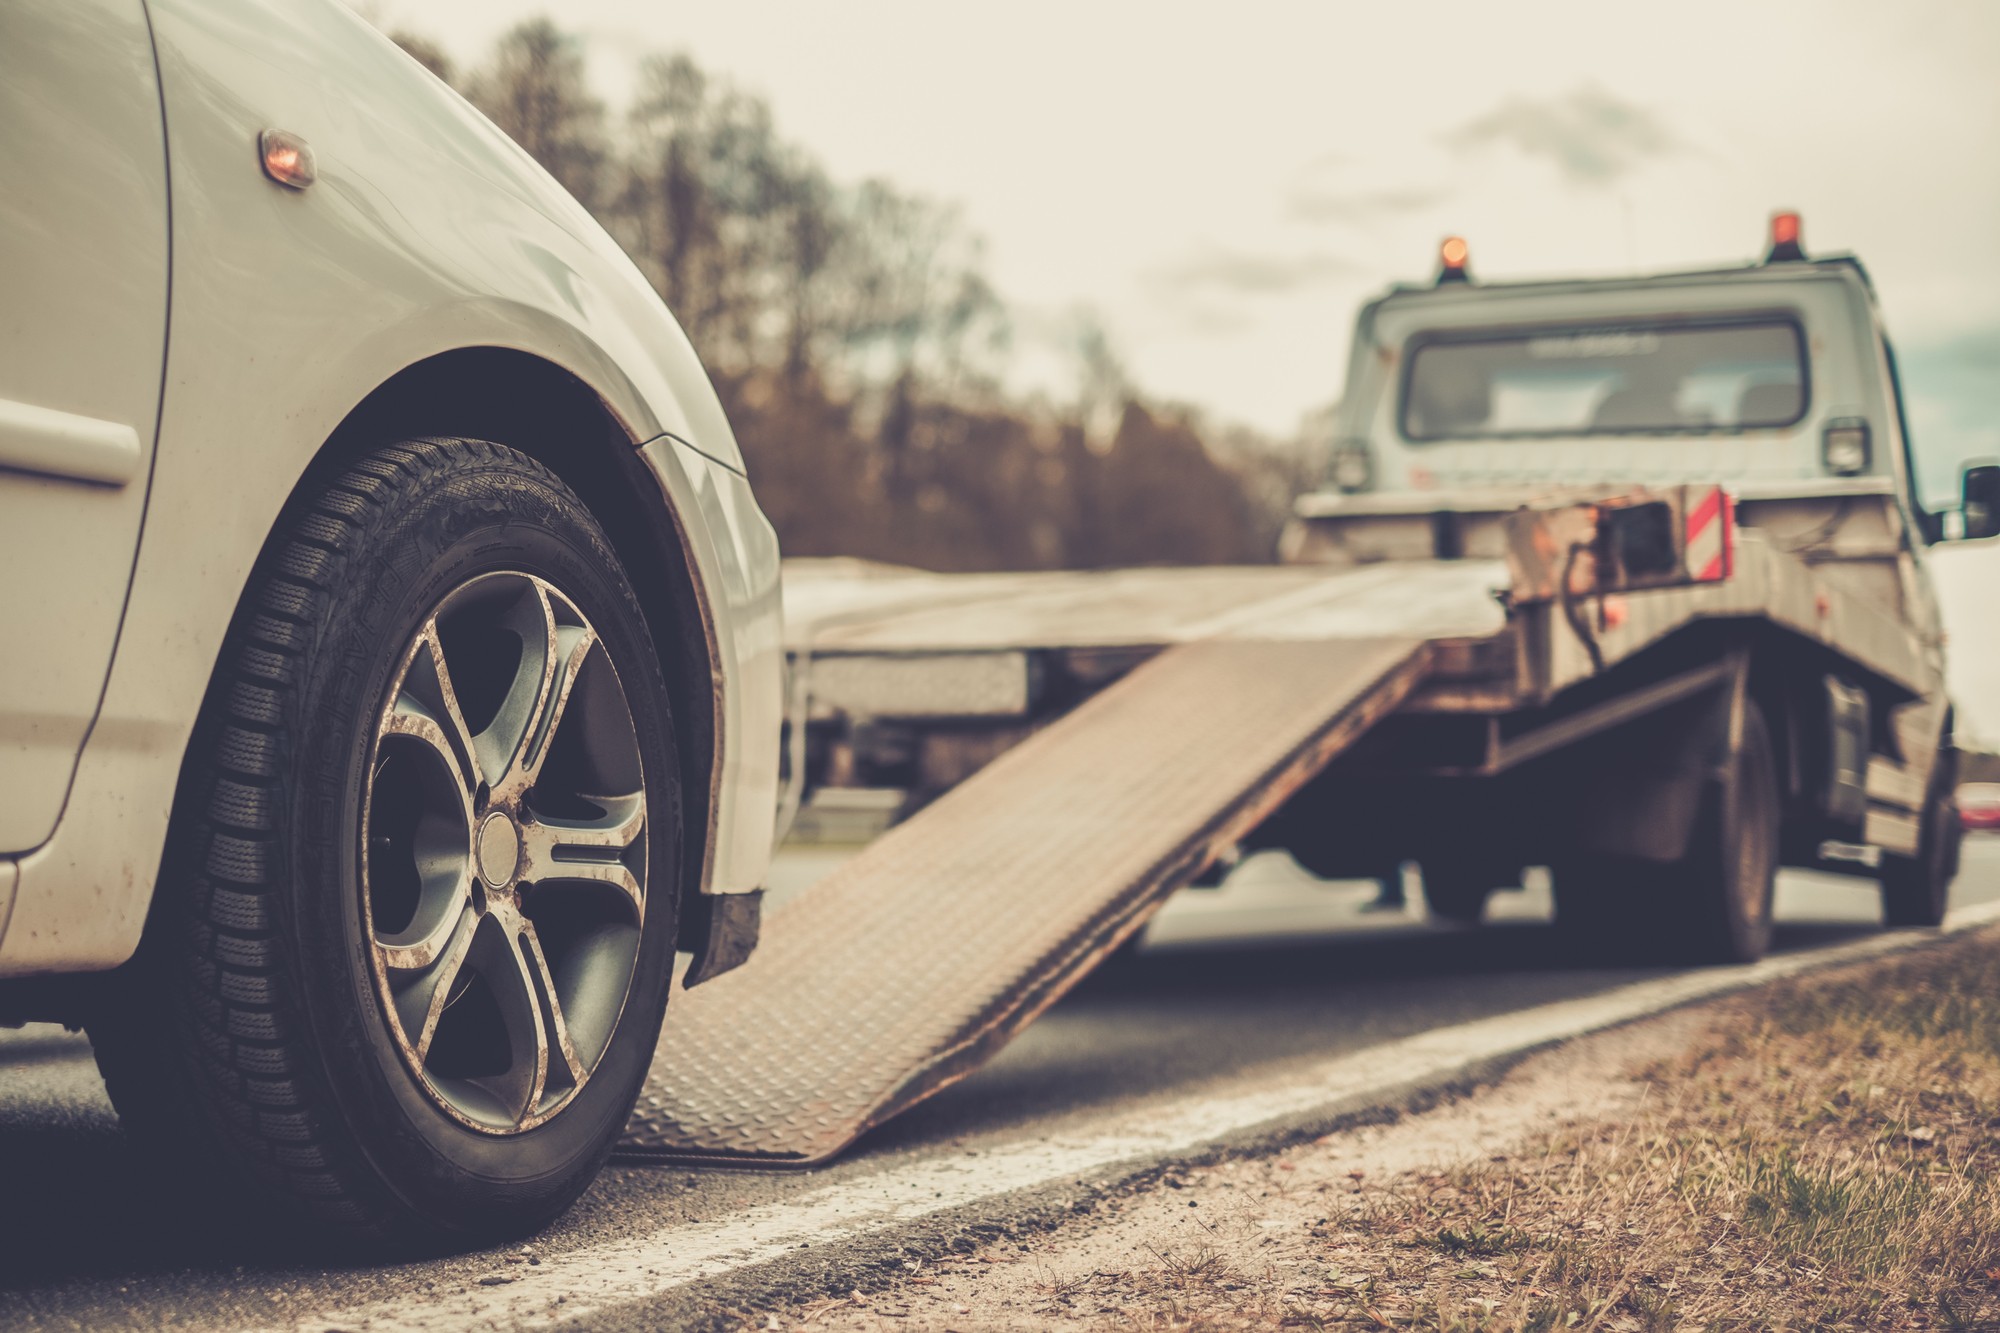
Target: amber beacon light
(287,159)
(1452,257)
(1787,238)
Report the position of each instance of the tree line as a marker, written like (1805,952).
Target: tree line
(858,346)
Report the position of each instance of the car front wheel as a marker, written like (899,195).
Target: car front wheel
(410,950)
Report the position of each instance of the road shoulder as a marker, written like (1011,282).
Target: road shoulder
(1814,1153)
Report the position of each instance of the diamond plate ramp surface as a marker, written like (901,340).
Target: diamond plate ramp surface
(914,962)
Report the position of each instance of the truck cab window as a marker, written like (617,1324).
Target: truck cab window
(1633,379)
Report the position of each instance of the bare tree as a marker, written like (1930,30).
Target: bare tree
(534,88)
(856,340)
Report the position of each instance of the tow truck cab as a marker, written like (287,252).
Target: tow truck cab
(1775,380)
(1769,373)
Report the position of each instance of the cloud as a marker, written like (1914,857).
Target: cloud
(1315,204)
(1217,321)
(1220,272)
(1592,136)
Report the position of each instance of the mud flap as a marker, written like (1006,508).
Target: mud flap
(1641,791)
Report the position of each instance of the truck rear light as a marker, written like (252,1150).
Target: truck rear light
(1352,468)
(1453,256)
(1843,446)
(1787,238)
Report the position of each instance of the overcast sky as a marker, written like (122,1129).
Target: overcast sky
(1224,183)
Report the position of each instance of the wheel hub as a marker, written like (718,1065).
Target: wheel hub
(499,849)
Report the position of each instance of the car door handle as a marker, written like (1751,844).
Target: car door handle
(63,444)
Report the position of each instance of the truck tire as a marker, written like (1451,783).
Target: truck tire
(1916,890)
(1457,890)
(1720,891)
(411,942)
(1607,907)
(1712,905)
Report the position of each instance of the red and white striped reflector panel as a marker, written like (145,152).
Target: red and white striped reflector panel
(1711,535)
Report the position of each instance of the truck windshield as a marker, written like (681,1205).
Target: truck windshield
(1605,380)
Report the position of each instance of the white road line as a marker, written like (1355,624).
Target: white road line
(570,1287)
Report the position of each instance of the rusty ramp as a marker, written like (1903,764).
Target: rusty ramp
(916,961)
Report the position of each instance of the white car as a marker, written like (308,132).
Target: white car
(390,672)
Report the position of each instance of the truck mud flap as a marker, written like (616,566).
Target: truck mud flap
(916,961)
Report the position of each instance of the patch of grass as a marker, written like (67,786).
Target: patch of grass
(1193,1265)
(1477,1241)
(1826,1155)
(1064,1287)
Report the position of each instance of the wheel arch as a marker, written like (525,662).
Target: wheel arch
(528,403)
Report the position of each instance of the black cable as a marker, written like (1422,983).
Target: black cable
(1573,613)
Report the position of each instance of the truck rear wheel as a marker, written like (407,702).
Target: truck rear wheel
(1721,889)
(1916,890)
(1457,890)
(1713,904)
(1607,907)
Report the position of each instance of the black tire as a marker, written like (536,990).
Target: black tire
(248,1040)
(1607,907)
(1457,891)
(1713,904)
(1916,890)
(1720,892)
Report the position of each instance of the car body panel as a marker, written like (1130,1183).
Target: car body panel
(83,325)
(427,231)
(743,568)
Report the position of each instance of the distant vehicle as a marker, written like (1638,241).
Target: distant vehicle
(1979,805)
(1657,541)
(391,676)
(1775,382)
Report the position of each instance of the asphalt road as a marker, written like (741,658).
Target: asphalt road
(1269,971)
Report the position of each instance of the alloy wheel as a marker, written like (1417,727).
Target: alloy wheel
(503,867)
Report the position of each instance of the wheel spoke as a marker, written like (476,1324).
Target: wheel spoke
(517,986)
(429,975)
(418,858)
(410,717)
(591,851)
(454,713)
(535,965)
(512,736)
(423,953)
(573,647)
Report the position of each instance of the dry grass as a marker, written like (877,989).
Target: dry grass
(1826,1156)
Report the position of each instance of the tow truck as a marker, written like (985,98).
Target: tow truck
(1624,577)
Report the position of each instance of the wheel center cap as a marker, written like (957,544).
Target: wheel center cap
(499,845)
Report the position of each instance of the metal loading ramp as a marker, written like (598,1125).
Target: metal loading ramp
(915,962)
